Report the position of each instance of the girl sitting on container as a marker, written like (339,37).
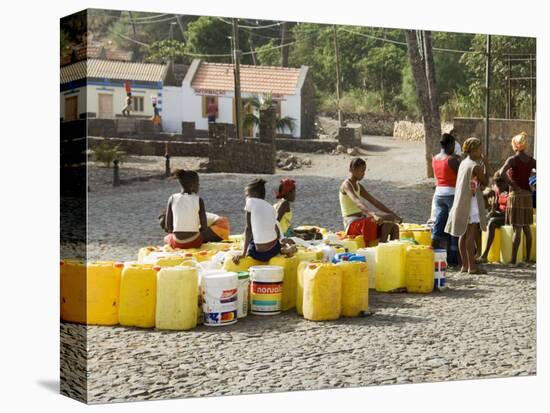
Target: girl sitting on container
(468,213)
(358,220)
(186,221)
(185,213)
(285,195)
(262,234)
(498,197)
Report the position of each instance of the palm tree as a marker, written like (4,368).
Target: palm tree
(251,119)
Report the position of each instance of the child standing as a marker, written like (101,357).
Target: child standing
(185,213)
(468,211)
(261,236)
(357,218)
(285,195)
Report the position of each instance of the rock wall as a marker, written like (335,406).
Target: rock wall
(414,131)
(374,124)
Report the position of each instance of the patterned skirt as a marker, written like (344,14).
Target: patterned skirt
(519,209)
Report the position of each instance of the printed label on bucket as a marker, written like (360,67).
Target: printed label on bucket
(217,319)
(228,296)
(266,297)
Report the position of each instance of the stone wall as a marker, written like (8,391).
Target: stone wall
(414,131)
(226,154)
(374,124)
(350,135)
(142,147)
(124,127)
(501,132)
(305,145)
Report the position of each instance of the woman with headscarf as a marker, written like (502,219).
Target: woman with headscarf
(285,195)
(519,209)
(468,213)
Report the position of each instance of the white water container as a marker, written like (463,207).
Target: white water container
(219,291)
(370,257)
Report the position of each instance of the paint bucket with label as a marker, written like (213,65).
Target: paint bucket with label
(219,291)
(266,289)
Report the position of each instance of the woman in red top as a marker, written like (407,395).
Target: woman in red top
(498,198)
(445,166)
(519,209)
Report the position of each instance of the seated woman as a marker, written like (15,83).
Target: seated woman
(186,221)
(285,196)
(262,238)
(185,213)
(358,220)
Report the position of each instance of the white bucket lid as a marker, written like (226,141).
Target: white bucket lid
(268,273)
(219,279)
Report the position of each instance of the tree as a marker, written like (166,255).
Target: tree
(252,119)
(267,55)
(165,50)
(419,46)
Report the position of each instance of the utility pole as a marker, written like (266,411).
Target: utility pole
(284,49)
(487,90)
(237,77)
(338,85)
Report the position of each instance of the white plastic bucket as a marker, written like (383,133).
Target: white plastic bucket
(440,268)
(219,292)
(266,289)
(243,294)
(370,257)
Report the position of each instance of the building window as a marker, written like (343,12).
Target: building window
(137,103)
(205,102)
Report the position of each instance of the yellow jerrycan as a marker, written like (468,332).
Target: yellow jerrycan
(177,297)
(300,286)
(290,267)
(506,240)
(419,269)
(72,277)
(138,295)
(370,257)
(216,246)
(390,266)
(103,292)
(145,251)
(494,251)
(169,261)
(355,288)
(533,255)
(244,263)
(422,236)
(308,255)
(322,285)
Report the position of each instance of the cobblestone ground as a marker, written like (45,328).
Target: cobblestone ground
(481,326)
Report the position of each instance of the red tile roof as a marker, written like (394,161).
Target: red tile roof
(254,79)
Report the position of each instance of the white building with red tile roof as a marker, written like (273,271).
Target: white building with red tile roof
(291,88)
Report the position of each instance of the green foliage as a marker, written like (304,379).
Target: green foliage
(267,55)
(165,50)
(106,153)
(252,119)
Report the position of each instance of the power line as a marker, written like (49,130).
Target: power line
(251,27)
(158,16)
(124,20)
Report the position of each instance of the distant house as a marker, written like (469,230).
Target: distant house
(96,88)
(291,88)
